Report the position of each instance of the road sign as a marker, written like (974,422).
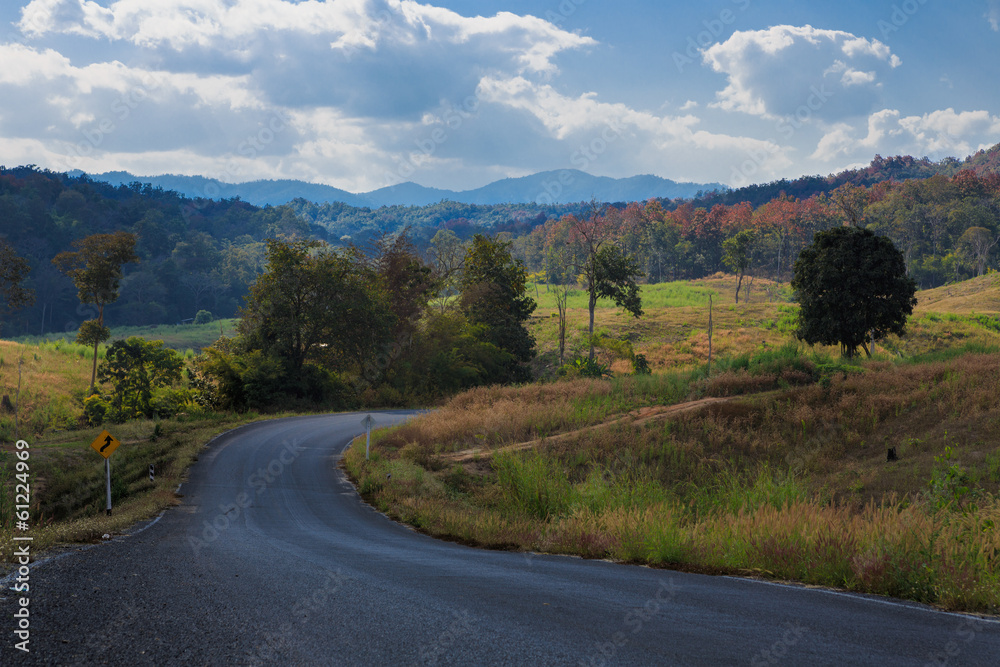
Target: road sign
(105,444)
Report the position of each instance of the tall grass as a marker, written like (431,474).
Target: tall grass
(790,484)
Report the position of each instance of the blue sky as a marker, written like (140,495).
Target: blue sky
(361,94)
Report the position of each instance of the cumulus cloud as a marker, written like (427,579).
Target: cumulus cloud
(785,71)
(382,58)
(937,134)
(613,138)
(993,14)
(355,79)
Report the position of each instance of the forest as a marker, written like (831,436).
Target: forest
(203,255)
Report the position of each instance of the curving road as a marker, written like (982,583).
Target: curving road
(273,558)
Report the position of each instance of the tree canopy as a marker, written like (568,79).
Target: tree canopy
(493,295)
(13,272)
(851,285)
(96,269)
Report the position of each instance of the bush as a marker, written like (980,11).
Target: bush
(585,368)
(640,366)
(95,409)
(203,317)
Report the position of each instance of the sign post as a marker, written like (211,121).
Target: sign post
(105,444)
(367,423)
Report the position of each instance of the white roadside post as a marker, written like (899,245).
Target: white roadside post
(367,423)
(107,476)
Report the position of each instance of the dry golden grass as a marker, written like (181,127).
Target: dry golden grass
(789,484)
(979,295)
(494,416)
(52,384)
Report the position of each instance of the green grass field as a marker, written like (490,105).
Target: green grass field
(180,337)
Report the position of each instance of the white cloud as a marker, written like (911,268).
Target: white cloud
(614,138)
(371,58)
(993,14)
(785,71)
(936,134)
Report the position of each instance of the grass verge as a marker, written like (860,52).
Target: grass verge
(67,478)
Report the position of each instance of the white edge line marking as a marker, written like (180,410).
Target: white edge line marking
(892,602)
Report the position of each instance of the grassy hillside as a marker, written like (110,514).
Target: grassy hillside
(673,333)
(780,433)
(775,465)
(979,295)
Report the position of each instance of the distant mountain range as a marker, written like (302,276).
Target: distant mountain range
(550,187)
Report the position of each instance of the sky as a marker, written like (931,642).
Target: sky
(455,94)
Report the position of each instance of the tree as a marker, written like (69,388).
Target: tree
(315,304)
(977,244)
(135,367)
(737,255)
(407,280)
(13,270)
(851,200)
(96,269)
(558,265)
(493,295)
(608,272)
(851,284)
(447,254)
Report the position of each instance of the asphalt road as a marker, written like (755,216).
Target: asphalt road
(273,559)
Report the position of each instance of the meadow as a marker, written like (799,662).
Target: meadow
(181,337)
(774,465)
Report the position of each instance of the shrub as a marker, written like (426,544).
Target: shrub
(203,317)
(95,409)
(640,366)
(585,368)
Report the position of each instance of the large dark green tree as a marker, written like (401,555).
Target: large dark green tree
(96,269)
(314,303)
(493,295)
(851,285)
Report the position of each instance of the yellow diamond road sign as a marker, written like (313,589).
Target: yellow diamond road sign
(105,444)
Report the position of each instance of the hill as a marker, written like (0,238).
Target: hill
(897,168)
(551,187)
(978,295)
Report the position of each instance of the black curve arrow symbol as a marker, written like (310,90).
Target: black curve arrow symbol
(107,443)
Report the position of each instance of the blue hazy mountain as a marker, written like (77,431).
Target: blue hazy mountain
(550,187)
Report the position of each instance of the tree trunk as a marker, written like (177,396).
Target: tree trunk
(709,334)
(93,372)
(593,305)
(561,302)
(739,283)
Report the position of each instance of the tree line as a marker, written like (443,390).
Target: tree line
(946,227)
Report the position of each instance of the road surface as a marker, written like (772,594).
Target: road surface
(272,558)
